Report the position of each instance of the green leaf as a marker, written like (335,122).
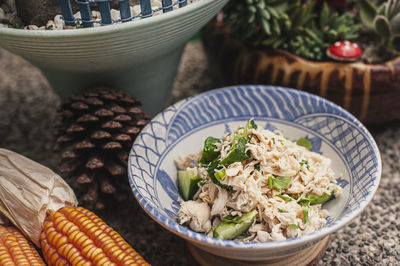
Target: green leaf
(314,199)
(395,24)
(319,199)
(305,214)
(238,137)
(251,19)
(307,14)
(270,182)
(367,11)
(265,26)
(209,153)
(395,42)
(304,162)
(304,143)
(237,153)
(276,27)
(313,36)
(261,5)
(392,7)
(264,13)
(220,175)
(293,226)
(280,182)
(273,12)
(285,198)
(231,219)
(17,23)
(382,28)
(212,167)
(251,124)
(324,17)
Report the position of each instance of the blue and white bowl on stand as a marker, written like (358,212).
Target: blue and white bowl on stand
(182,128)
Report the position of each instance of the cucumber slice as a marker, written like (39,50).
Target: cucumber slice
(187,184)
(231,227)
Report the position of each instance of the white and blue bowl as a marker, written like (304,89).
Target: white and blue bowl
(182,128)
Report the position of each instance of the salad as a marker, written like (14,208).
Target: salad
(255,185)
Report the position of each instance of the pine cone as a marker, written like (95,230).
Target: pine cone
(95,136)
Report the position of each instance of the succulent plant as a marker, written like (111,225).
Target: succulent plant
(384,20)
(313,38)
(254,20)
(291,25)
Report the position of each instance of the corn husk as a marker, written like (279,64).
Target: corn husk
(28,190)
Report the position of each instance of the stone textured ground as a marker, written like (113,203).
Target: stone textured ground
(27,118)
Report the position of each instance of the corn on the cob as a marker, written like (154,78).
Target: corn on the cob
(76,236)
(15,249)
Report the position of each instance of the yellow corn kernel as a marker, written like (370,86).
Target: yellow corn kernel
(76,236)
(15,249)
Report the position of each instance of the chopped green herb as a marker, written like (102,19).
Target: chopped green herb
(295,156)
(270,182)
(281,182)
(202,182)
(257,167)
(280,210)
(304,202)
(205,165)
(250,136)
(215,165)
(305,214)
(304,162)
(251,124)
(285,198)
(320,199)
(209,154)
(293,226)
(314,199)
(273,140)
(238,137)
(281,141)
(220,175)
(237,153)
(304,143)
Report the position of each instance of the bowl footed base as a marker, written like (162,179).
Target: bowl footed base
(308,256)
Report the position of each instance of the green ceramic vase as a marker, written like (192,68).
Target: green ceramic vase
(140,56)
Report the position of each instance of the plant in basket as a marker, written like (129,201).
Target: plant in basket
(346,51)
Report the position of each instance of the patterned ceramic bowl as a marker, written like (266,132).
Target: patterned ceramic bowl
(182,128)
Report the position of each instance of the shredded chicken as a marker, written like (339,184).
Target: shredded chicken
(196,214)
(247,186)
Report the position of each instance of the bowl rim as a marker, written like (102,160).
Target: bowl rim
(138,23)
(270,245)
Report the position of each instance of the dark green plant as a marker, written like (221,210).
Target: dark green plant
(384,20)
(294,27)
(254,20)
(312,40)
(17,23)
